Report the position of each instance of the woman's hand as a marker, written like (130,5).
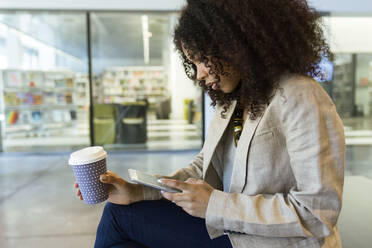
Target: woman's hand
(194,197)
(120,191)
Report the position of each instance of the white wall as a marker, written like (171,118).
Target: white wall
(182,87)
(342,6)
(350,34)
(93,4)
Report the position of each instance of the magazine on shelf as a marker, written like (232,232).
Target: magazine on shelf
(47,116)
(12,117)
(73,114)
(21,98)
(49,81)
(11,99)
(57,116)
(34,79)
(49,98)
(37,99)
(68,98)
(61,98)
(25,117)
(14,79)
(29,99)
(67,116)
(69,82)
(60,82)
(36,117)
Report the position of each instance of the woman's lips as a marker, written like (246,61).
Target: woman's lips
(212,85)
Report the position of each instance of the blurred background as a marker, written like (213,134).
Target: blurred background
(81,73)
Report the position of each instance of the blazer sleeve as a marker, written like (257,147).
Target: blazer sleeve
(316,147)
(194,170)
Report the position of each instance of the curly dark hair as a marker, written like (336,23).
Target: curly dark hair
(260,39)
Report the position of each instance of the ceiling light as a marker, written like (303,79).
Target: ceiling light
(146,41)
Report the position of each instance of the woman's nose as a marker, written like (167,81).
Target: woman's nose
(201,72)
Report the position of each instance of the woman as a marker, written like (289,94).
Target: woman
(271,170)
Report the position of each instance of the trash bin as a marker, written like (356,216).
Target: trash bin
(132,128)
(163,108)
(104,123)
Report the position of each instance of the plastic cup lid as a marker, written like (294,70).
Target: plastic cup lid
(87,155)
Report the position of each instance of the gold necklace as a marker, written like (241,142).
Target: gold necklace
(238,124)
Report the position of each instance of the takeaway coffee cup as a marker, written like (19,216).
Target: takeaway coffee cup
(88,164)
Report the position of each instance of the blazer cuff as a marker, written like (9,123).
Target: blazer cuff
(150,194)
(213,216)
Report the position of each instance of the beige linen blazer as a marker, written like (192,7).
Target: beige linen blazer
(288,174)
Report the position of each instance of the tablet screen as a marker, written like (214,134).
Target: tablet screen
(149,180)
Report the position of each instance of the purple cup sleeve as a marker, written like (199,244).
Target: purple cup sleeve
(87,176)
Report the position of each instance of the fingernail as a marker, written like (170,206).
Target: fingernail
(160,181)
(103,177)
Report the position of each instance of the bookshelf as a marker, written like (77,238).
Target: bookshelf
(38,103)
(130,84)
(343,89)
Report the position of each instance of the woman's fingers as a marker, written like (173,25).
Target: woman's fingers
(78,194)
(175,197)
(113,174)
(112,178)
(175,184)
(161,176)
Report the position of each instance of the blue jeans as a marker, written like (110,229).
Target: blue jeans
(153,224)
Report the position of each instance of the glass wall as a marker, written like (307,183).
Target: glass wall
(43,81)
(351,42)
(350,38)
(142,97)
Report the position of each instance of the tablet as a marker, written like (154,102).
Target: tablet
(149,180)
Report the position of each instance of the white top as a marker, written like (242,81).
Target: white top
(87,155)
(228,156)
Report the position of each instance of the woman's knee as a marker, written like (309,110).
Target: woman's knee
(136,209)
(113,209)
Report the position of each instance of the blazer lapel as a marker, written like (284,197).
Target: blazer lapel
(215,132)
(239,174)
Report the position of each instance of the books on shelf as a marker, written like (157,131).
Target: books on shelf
(35,99)
(49,98)
(59,116)
(36,117)
(25,117)
(39,98)
(13,79)
(129,84)
(14,99)
(12,117)
(34,79)
(82,85)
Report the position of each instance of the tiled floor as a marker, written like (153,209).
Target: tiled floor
(38,207)
(161,135)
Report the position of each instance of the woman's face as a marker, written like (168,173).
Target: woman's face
(227,83)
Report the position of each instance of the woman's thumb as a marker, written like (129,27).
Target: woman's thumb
(107,179)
